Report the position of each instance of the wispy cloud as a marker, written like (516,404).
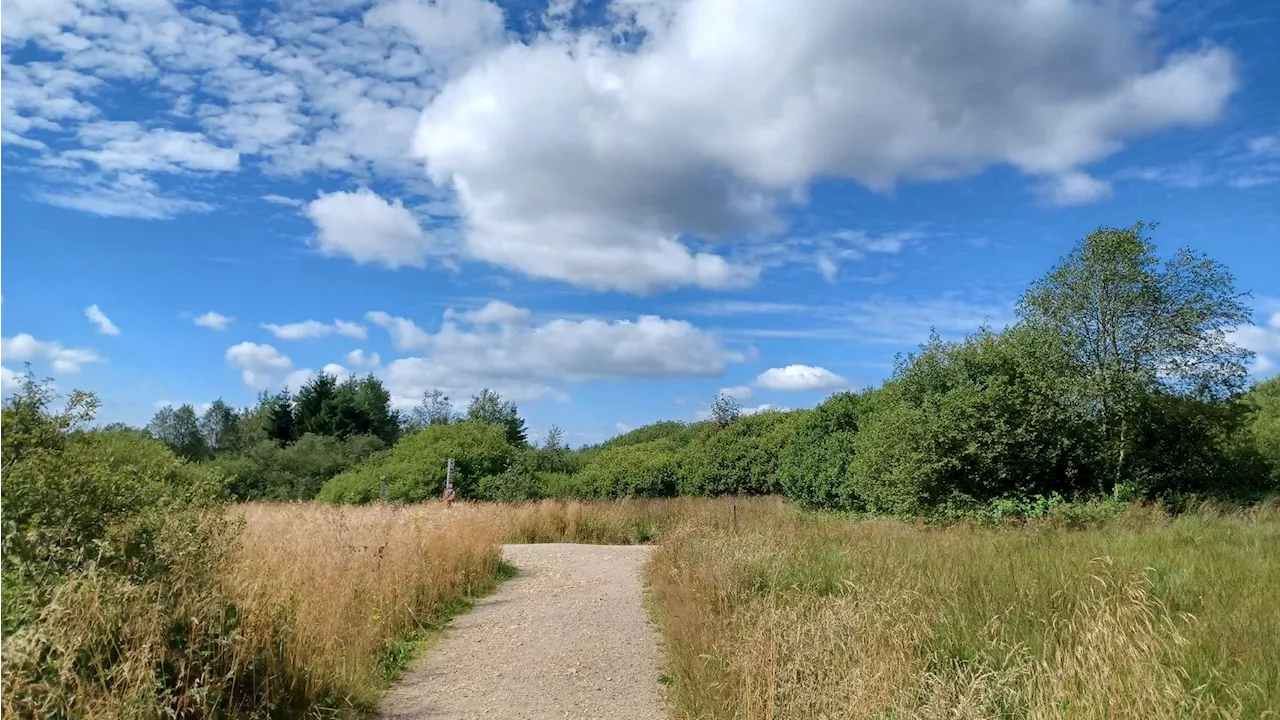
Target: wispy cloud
(101,321)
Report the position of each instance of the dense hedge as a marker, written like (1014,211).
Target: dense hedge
(648,469)
(739,459)
(416,466)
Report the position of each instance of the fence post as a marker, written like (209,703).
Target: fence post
(448,484)
(735,517)
(382,488)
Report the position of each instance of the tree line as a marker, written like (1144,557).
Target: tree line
(1118,379)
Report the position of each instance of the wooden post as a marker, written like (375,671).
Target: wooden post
(448,485)
(735,517)
(382,488)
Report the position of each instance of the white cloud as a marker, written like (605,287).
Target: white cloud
(368,229)
(130,147)
(282,200)
(10,381)
(741,393)
(405,334)
(24,348)
(495,312)
(213,321)
(527,361)
(800,377)
(1074,188)
(335,370)
(1263,339)
(101,321)
(310,329)
(882,320)
(579,159)
(259,364)
(359,358)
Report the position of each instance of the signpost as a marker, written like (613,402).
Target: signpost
(449,492)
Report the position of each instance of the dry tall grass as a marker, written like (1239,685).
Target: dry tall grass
(794,616)
(333,590)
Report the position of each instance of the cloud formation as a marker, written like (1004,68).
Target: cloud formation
(213,321)
(310,329)
(528,359)
(800,378)
(101,321)
(616,155)
(63,360)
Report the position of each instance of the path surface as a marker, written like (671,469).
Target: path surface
(566,638)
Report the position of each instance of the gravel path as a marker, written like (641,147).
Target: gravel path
(566,638)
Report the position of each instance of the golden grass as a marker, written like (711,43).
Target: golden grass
(774,613)
(796,616)
(331,589)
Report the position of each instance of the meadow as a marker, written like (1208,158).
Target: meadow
(765,611)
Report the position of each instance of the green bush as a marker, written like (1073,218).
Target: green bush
(677,432)
(647,469)
(1264,425)
(71,498)
(738,459)
(269,471)
(969,422)
(415,467)
(814,467)
(518,483)
(561,486)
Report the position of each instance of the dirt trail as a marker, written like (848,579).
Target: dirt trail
(566,638)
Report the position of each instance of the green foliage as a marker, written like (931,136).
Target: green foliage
(813,468)
(642,470)
(72,498)
(1135,328)
(434,409)
(325,406)
(1263,430)
(738,459)
(673,430)
(180,429)
(267,471)
(488,407)
(415,467)
(725,410)
(519,482)
(969,422)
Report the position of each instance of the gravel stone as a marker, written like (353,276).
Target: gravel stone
(566,638)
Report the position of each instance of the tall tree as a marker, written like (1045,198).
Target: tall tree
(434,409)
(275,413)
(725,410)
(313,410)
(1137,327)
(488,406)
(180,430)
(216,425)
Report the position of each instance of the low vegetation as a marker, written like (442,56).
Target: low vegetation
(1088,612)
(1056,520)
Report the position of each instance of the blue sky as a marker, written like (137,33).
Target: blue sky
(607,211)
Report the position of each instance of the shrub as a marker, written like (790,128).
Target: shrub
(677,432)
(740,458)
(269,471)
(71,498)
(968,422)
(642,470)
(814,467)
(415,467)
(519,482)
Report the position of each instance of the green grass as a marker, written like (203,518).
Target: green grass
(1141,616)
(398,654)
